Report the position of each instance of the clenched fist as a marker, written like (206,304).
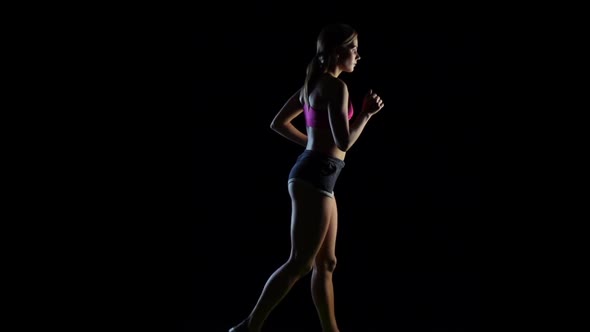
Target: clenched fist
(372,103)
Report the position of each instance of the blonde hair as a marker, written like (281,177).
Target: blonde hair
(330,39)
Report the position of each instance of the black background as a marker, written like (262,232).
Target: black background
(409,196)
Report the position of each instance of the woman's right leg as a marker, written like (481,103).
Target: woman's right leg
(309,224)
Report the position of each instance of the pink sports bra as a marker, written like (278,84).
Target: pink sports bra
(319,119)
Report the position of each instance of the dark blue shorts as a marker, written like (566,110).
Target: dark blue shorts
(317,169)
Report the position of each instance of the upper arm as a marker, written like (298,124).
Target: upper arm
(290,110)
(338,113)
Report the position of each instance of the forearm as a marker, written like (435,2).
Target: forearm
(290,132)
(357,127)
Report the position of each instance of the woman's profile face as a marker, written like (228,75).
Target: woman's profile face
(349,57)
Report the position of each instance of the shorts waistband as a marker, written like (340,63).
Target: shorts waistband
(314,153)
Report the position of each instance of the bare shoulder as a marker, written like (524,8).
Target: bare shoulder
(333,86)
(327,90)
(331,82)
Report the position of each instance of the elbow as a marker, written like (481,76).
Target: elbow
(277,127)
(343,145)
(344,148)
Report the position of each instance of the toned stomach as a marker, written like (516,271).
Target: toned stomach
(321,140)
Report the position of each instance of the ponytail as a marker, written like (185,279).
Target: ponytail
(314,69)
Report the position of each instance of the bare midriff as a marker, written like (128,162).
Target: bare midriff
(321,140)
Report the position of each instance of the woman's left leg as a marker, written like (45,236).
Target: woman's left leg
(322,289)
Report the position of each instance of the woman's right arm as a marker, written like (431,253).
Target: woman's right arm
(282,122)
(345,134)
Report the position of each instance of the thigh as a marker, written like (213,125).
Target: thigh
(327,250)
(310,220)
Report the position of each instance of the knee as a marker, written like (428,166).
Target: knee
(326,264)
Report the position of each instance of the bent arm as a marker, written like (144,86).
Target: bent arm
(282,122)
(345,134)
(357,127)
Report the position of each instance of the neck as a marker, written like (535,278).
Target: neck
(334,72)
